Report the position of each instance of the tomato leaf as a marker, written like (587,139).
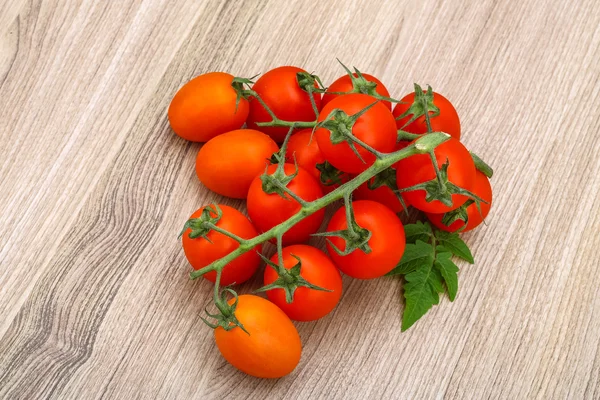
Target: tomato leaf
(448,270)
(418,231)
(414,255)
(421,292)
(454,244)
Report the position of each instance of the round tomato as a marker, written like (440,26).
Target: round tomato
(267,210)
(228,163)
(270,349)
(206,107)
(418,169)
(316,268)
(483,189)
(447,121)
(304,150)
(376,128)
(345,85)
(279,89)
(382,194)
(201,252)
(387,240)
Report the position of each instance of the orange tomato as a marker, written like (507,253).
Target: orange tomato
(201,252)
(228,163)
(205,107)
(270,349)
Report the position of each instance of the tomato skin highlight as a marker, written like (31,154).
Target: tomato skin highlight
(205,107)
(447,121)
(376,128)
(200,252)
(305,151)
(483,189)
(418,168)
(272,348)
(344,84)
(316,268)
(267,210)
(279,89)
(387,240)
(228,163)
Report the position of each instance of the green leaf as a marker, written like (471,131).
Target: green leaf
(454,244)
(417,231)
(414,256)
(448,270)
(421,292)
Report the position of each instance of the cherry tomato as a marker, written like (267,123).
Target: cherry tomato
(270,349)
(447,121)
(201,252)
(482,189)
(376,128)
(267,210)
(317,269)
(387,240)
(279,89)
(382,194)
(419,168)
(303,148)
(344,84)
(206,107)
(228,163)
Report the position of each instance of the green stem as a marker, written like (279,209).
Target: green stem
(403,135)
(225,232)
(275,121)
(425,144)
(436,167)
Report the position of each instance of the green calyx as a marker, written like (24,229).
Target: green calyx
(339,124)
(355,236)
(482,166)
(361,85)
(307,82)
(238,85)
(289,279)
(422,105)
(226,318)
(460,214)
(387,177)
(201,226)
(330,175)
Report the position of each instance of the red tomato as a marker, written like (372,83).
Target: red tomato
(447,121)
(206,107)
(382,194)
(270,349)
(419,168)
(228,163)
(376,128)
(279,89)
(482,189)
(305,151)
(387,240)
(344,84)
(317,269)
(267,210)
(201,252)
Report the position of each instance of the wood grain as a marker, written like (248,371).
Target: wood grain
(94,296)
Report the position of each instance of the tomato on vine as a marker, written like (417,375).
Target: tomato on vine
(269,206)
(454,221)
(380,240)
(280,90)
(228,163)
(437,194)
(303,149)
(358,83)
(309,280)
(410,113)
(366,119)
(268,347)
(207,106)
(202,246)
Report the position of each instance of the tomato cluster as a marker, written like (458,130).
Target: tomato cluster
(328,136)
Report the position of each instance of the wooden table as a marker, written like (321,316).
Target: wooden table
(95,299)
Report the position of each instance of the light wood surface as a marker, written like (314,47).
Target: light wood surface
(95,301)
